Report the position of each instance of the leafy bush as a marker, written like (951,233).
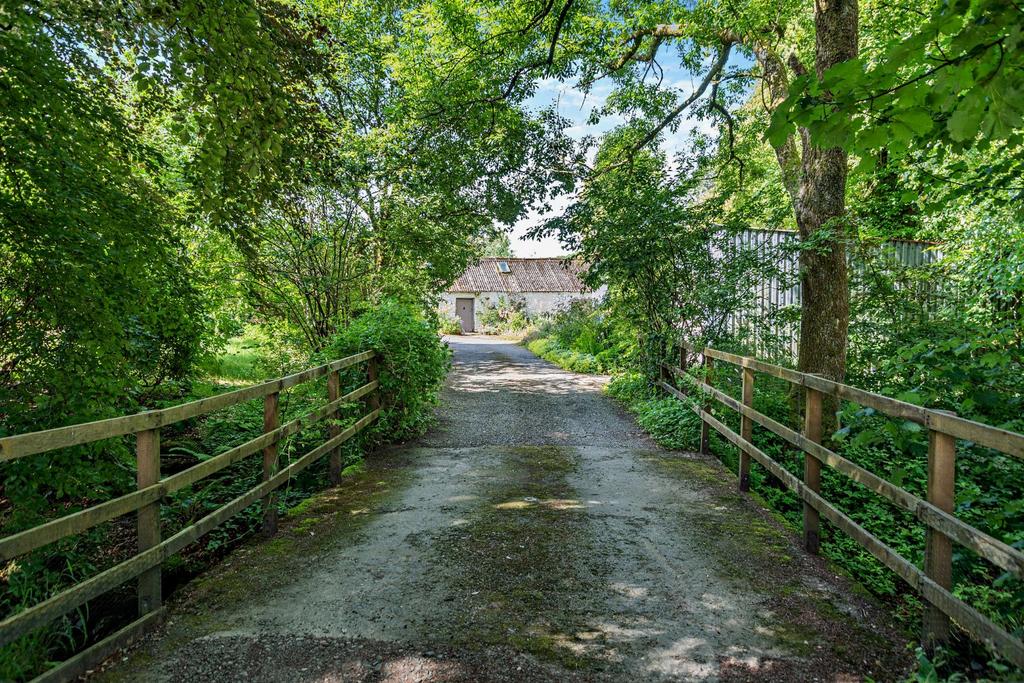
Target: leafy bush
(582,325)
(549,349)
(504,317)
(631,387)
(259,352)
(669,421)
(412,366)
(584,337)
(449,324)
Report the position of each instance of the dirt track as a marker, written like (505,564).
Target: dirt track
(535,534)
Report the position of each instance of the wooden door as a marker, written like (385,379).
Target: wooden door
(464,309)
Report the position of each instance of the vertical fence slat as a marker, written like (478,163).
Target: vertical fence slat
(767,295)
(812,469)
(271,421)
(147,448)
(746,428)
(333,392)
(938,553)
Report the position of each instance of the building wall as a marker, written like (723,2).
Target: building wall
(537,303)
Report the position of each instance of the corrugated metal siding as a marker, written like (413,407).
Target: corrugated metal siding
(527,275)
(771,296)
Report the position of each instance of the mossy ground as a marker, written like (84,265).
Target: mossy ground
(257,568)
(523,564)
(757,549)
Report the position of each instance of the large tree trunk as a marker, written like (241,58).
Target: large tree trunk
(821,204)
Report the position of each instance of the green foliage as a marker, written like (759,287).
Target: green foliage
(449,324)
(669,421)
(550,349)
(583,336)
(938,89)
(99,308)
(631,387)
(497,245)
(668,262)
(278,177)
(412,366)
(256,354)
(506,316)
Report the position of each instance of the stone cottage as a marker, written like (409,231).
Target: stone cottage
(542,285)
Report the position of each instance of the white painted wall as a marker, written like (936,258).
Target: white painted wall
(538,304)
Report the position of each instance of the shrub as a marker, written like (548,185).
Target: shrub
(549,349)
(630,387)
(412,366)
(505,316)
(449,324)
(588,338)
(669,421)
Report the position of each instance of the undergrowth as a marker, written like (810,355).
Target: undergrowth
(896,451)
(581,337)
(412,365)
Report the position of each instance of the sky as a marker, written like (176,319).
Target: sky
(576,107)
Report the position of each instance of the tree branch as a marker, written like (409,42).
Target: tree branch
(710,77)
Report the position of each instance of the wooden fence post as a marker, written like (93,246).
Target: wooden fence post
(271,421)
(705,428)
(147,448)
(938,553)
(333,392)
(812,468)
(746,428)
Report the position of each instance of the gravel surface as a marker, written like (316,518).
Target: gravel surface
(534,534)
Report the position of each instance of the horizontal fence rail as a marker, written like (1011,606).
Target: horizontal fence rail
(935,511)
(145,501)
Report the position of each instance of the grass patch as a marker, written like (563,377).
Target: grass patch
(551,350)
(241,361)
(669,421)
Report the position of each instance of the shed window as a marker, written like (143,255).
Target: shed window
(503,267)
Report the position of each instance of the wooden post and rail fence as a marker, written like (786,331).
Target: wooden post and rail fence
(934,582)
(144,566)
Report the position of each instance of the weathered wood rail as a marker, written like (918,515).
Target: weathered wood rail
(145,501)
(935,581)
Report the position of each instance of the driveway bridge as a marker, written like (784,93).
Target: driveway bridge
(534,534)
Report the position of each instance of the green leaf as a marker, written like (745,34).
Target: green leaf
(918,120)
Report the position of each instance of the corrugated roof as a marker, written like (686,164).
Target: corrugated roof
(526,275)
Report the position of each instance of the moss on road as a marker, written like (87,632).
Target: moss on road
(589,554)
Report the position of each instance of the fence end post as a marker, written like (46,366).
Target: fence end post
(271,421)
(938,553)
(812,469)
(147,448)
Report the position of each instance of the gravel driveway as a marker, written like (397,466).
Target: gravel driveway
(534,534)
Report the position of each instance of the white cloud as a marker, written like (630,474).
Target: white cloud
(548,246)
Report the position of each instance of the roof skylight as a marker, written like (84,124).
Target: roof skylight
(503,267)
